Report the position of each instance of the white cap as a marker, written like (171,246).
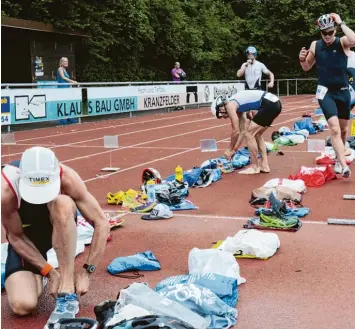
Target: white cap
(39,175)
(160,211)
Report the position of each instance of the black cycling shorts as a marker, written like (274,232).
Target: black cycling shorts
(267,113)
(336,103)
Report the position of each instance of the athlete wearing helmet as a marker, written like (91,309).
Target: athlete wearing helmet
(330,54)
(253,70)
(268,107)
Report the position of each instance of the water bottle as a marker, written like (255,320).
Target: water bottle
(151,191)
(179,174)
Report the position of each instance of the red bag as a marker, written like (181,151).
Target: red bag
(315,177)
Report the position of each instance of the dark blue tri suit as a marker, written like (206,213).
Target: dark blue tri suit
(331,65)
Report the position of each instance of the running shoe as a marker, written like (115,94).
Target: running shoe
(346,173)
(275,221)
(338,168)
(67,306)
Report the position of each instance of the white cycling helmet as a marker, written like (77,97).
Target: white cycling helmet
(216,104)
(325,22)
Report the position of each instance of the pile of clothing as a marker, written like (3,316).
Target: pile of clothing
(204,298)
(278,205)
(285,137)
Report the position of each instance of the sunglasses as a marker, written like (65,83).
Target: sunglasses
(328,33)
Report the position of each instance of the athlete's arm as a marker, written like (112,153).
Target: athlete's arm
(11,220)
(241,71)
(347,41)
(307,57)
(237,133)
(242,123)
(74,187)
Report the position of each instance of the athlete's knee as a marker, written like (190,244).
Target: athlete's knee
(335,131)
(23,305)
(62,208)
(249,135)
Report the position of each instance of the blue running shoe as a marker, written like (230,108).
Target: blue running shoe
(67,306)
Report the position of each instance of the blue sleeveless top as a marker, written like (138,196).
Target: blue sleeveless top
(60,80)
(331,65)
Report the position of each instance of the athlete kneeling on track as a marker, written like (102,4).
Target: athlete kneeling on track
(39,201)
(268,107)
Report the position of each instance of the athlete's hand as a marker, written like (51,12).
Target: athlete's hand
(82,283)
(53,282)
(229,154)
(336,18)
(270,85)
(303,54)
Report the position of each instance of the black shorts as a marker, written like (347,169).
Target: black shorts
(38,228)
(267,113)
(336,103)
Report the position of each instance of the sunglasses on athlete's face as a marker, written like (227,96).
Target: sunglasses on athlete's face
(328,33)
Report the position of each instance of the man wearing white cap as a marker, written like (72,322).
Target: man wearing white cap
(39,200)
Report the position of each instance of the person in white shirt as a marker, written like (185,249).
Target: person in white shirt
(252,69)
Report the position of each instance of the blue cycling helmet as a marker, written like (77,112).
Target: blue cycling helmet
(151,322)
(251,50)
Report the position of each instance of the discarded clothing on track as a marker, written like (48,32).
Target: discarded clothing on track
(251,244)
(144,261)
(314,177)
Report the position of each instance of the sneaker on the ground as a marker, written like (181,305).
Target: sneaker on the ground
(67,306)
(338,168)
(346,172)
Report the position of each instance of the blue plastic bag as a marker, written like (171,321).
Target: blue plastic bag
(305,123)
(225,288)
(203,302)
(144,261)
(190,176)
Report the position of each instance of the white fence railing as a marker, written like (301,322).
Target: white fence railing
(32,103)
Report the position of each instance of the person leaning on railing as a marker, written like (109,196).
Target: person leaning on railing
(63,75)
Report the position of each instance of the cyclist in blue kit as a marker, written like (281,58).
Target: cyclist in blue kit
(330,55)
(267,107)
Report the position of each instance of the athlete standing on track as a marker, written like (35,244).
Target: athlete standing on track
(253,70)
(39,201)
(330,54)
(268,107)
(351,73)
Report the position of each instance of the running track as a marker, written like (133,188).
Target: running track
(293,289)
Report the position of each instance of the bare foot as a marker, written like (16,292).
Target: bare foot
(265,170)
(250,171)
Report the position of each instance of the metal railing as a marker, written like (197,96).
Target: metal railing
(282,87)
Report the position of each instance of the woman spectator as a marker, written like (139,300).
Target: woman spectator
(62,74)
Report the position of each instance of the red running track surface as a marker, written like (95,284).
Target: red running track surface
(293,289)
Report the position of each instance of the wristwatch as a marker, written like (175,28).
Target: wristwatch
(342,23)
(90,268)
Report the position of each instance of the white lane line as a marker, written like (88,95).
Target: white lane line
(163,158)
(124,134)
(111,126)
(243,218)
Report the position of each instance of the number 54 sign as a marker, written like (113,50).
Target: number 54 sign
(5,111)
